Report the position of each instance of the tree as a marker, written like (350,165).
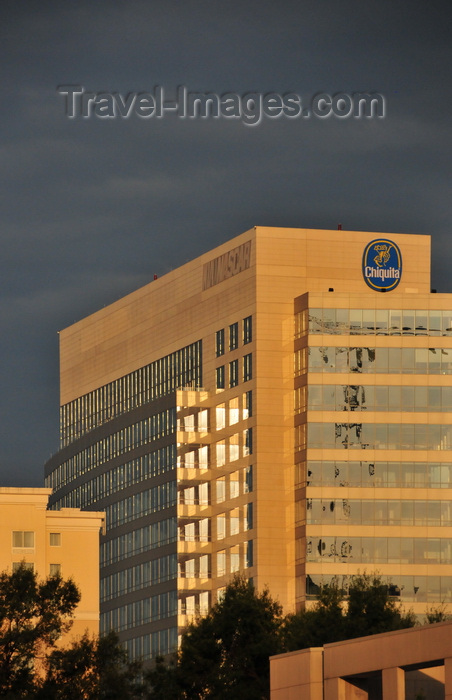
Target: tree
(33,616)
(225,655)
(372,610)
(322,623)
(437,613)
(91,669)
(368,609)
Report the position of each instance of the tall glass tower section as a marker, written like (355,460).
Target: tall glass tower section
(280,406)
(373,398)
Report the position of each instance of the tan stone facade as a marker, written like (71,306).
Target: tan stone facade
(403,665)
(65,542)
(263,409)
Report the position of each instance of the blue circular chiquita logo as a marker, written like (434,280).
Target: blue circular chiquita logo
(382,265)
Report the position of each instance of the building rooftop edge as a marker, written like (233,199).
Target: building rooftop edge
(224,247)
(23,490)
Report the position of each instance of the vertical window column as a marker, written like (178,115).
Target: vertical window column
(247,367)
(233,373)
(247,330)
(219,377)
(219,343)
(233,336)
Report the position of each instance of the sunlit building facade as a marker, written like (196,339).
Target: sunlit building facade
(64,543)
(280,406)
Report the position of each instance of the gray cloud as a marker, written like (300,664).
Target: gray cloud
(91,209)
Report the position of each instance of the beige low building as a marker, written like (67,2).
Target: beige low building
(279,406)
(411,664)
(64,542)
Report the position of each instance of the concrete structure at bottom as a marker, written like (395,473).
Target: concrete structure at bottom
(62,542)
(404,665)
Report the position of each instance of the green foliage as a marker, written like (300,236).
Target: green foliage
(437,613)
(368,609)
(371,609)
(164,679)
(323,623)
(33,615)
(91,669)
(225,655)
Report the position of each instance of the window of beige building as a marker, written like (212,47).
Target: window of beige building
(23,538)
(233,336)
(221,563)
(234,413)
(26,564)
(247,330)
(220,413)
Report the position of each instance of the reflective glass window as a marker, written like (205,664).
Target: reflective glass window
(249,554)
(220,413)
(234,413)
(219,342)
(247,367)
(380,549)
(234,523)
(234,560)
(421,322)
(233,336)
(315,321)
(368,322)
(221,527)
(337,358)
(247,330)
(381,321)
(446,397)
(356,319)
(350,474)
(220,486)
(329,321)
(220,377)
(434,361)
(408,356)
(408,323)
(434,320)
(221,453)
(248,404)
(421,360)
(382,360)
(393,550)
(447,323)
(248,485)
(342,320)
(395,360)
(434,513)
(233,373)
(395,322)
(234,448)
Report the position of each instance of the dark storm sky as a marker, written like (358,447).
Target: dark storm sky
(92,208)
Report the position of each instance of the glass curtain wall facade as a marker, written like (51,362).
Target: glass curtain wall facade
(119,454)
(170,464)
(218,441)
(374,449)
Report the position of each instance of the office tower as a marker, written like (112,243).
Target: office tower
(280,406)
(64,542)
